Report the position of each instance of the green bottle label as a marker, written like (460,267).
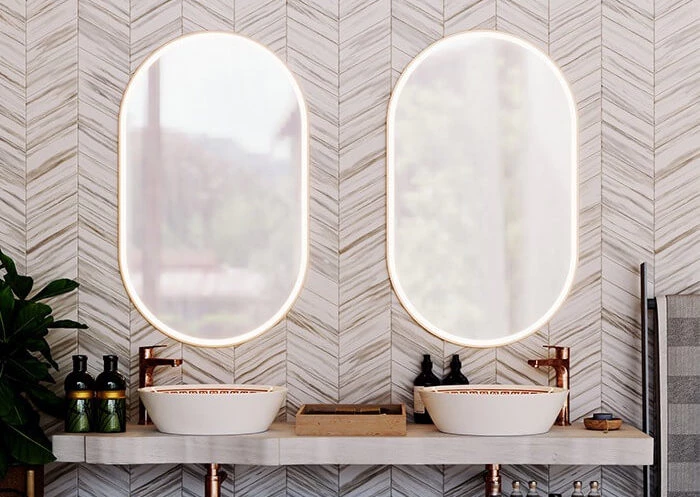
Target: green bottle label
(79,416)
(111,411)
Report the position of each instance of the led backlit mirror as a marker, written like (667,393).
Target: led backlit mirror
(482,189)
(213,189)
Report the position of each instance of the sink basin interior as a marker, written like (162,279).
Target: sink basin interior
(213,409)
(494,409)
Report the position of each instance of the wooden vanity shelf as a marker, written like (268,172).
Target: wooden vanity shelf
(423,444)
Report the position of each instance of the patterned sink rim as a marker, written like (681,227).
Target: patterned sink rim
(211,389)
(495,390)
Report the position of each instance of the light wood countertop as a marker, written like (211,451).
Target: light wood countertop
(423,444)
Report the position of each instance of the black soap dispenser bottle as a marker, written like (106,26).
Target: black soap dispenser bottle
(595,489)
(455,376)
(110,393)
(578,489)
(532,491)
(516,489)
(80,391)
(426,378)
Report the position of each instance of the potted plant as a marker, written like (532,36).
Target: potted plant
(25,364)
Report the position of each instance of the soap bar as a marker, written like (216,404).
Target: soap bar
(602,415)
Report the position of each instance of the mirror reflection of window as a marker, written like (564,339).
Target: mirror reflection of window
(482,135)
(213,158)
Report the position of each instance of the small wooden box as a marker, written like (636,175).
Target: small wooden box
(351,420)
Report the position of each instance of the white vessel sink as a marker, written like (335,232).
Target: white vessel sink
(493,409)
(213,409)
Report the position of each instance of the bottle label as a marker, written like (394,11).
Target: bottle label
(79,415)
(418,406)
(80,394)
(111,415)
(111,394)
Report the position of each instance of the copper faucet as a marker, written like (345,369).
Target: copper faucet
(147,363)
(560,363)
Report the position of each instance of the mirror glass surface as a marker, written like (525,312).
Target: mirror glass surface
(482,189)
(213,189)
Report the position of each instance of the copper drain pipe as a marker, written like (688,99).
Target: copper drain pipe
(30,484)
(492,480)
(213,480)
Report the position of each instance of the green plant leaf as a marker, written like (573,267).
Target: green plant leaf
(47,401)
(41,345)
(28,444)
(7,397)
(7,305)
(31,318)
(67,323)
(57,287)
(21,285)
(8,265)
(4,460)
(25,368)
(18,412)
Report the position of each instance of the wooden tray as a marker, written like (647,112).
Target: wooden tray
(351,420)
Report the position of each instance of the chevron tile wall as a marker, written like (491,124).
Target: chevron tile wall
(634,67)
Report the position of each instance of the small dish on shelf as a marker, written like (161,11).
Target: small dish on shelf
(602,424)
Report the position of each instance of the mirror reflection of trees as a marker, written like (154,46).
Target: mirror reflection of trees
(214,221)
(482,137)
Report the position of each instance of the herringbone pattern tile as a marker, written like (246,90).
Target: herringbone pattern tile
(676,174)
(51,174)
(426,481)
(13,125)
(628,204)
(414,26)
(365,292)
(463,481)
(103,45)
(265,22)
(312,324)
(365,481)
(252,481)
(463,15)
(634,68)
(575,44)
(528,20)
(151,480)
(207,15)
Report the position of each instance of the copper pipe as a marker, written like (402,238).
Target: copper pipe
(213,480)
(147,364)
(492,480)
(30,484)
(560,364)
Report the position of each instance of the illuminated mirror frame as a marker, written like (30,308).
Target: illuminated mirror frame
(391,193)
(122,214)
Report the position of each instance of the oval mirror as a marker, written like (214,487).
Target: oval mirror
(482,196)
(213,189)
